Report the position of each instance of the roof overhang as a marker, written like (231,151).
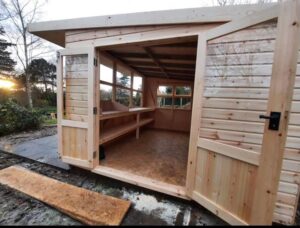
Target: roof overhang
(54,31)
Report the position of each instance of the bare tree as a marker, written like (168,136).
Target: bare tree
(19,14)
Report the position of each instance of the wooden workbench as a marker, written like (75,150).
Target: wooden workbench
(114,132)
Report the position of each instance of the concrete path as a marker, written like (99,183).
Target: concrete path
(43,150)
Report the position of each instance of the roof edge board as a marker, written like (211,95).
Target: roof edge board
(178,16)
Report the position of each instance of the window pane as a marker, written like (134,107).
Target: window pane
(137,82)
(123,96)
(164,102)
(182,103)
(164,90)
(105,92)
(106,73)
(183,90)
(123,80)
(136,99)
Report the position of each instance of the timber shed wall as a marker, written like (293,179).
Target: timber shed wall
(237,82)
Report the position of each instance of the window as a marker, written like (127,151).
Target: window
(105,92)
(125,88)
(175,97)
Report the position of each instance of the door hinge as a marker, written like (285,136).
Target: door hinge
(94,154)
(95,62)
(95,110)
(57,56)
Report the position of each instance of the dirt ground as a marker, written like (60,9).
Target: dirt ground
(7,142)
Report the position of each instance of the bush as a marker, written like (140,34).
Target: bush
(14,118)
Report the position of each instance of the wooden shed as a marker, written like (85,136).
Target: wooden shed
(202,104)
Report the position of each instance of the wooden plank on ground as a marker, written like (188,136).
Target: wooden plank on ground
(86,206)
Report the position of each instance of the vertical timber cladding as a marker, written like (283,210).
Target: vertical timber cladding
(75,140)
(237,81)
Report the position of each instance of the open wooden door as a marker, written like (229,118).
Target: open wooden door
(76,106)
(244,69)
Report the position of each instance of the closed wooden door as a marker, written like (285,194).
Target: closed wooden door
(76,104)
(244,69)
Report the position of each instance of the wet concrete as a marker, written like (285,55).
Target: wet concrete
(148,207)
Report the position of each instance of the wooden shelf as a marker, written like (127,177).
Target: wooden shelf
(115,114)
(114,132)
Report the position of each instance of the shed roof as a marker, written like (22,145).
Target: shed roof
(54,31)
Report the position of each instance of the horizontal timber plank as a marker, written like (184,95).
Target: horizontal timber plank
(264,33)
(290,177)
(77,68)
(242,104)
(242,137)
(284,209)
(82,118)
(241,59)
(240,93)
(76,103)
(289,153)
(242,81)
(76,82)
(76,96)
(283,219)
(77,89)
(243,126)
(288,188)
(285,198)
(251,70)
(76,110)
(240,115)
(243,47)
(229,151)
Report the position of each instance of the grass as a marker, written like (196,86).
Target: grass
(45,113)
(50,121)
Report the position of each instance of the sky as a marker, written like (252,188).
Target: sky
(65,9)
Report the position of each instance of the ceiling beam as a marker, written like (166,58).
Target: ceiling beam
(121,61)
(172,77)
(166,65)
(158,56)
(156,69)
(156,61)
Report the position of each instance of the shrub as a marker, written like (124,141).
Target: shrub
(14,118)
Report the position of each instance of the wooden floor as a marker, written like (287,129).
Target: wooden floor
(160,155)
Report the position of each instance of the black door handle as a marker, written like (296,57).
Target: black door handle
(267,117)
(274,120)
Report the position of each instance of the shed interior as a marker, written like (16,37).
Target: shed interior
(146,94)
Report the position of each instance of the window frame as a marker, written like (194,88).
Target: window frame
(174,95)
(114,85)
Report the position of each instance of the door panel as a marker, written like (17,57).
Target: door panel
(234,73)
(75,98)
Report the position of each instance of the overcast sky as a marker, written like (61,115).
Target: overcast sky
(63,9)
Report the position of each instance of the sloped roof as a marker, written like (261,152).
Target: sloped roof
(54,31)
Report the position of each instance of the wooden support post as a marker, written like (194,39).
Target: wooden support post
(114,81)
(59,97)
(131,90)
(280,98)
(97,105)
(138,128)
